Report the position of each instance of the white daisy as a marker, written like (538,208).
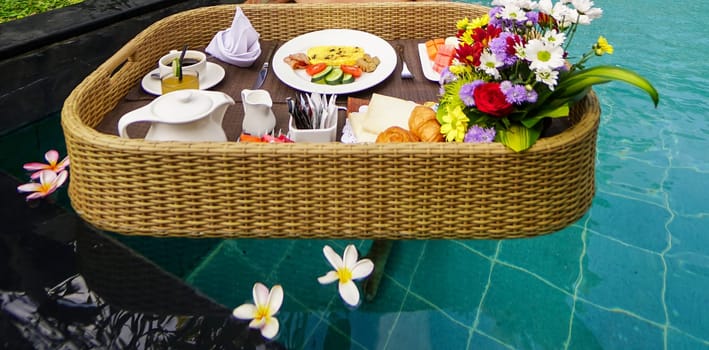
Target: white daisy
(513,13)
(543,55)
(554,37)
(489,64)
(347,269)
(547,76)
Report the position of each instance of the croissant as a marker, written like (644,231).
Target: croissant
(430,131)
(396,134)
(424,125)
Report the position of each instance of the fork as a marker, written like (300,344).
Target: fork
(405,73)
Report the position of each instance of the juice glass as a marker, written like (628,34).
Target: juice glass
(170,82)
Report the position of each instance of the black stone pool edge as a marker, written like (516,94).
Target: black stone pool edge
(43,57)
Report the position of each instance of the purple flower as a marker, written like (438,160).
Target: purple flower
(532,18)
(531,95)
(477,134)
(446,76)
(493,13)
(516,94)
(466,92)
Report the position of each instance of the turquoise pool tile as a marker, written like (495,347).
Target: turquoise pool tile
(595,328)
(689,235)
(403,260)
(611,215)
(687,297)
(176,255)
(616,275)
(683,190)
(315,331)
(686,142)
(230,272)
(440,330)
(452,278)
(524,312)
(555,257)
(486,247)
(483,341)
(631,177)
(677,340)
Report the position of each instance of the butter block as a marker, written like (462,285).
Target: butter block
(357,124)
(386,111)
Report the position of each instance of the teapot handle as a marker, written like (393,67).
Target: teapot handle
(137,115)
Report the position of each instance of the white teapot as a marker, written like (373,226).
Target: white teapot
(183,115)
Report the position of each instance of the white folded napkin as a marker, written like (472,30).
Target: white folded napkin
(238,45)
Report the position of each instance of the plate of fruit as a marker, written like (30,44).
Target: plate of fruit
(436,55)
(334,61)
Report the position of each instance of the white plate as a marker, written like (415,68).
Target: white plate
(427,64)
(372,45)
(215,74)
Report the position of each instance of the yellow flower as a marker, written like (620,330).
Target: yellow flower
(602,46)
(479,22)
(454,125)
(463,23)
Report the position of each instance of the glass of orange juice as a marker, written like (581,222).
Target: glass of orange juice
(171,82)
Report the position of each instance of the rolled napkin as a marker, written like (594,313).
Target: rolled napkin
(238,45)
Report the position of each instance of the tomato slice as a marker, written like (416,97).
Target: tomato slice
(315,68)
(353,70)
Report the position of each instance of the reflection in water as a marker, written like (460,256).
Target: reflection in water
(64,285)
(74,317)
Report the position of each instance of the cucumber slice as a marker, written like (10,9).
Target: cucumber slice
(347,78)
(335,77)
(321,75)
(321,81)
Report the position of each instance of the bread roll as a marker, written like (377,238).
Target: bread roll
(396,134)
(423,124)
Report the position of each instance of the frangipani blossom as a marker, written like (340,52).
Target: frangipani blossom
(54,164)
(347,269)
(261,313)
(49,181)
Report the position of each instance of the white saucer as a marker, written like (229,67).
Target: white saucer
(215,74)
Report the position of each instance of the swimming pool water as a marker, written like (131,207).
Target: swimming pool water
(631,274)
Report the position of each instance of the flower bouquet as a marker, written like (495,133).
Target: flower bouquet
(511,71)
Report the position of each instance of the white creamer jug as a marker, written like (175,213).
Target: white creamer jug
(184,115)
(258,115)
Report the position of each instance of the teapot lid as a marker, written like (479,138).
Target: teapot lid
(182,106)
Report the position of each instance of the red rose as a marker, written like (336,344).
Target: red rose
(490,99)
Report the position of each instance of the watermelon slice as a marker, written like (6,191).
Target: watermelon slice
(444,58)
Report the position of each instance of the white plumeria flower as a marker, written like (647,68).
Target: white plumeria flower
(555,38)
(261,313)
(347,269)
(547,76)
(543,55)
(489,64)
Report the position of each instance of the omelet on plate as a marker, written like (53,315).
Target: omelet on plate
(335,55)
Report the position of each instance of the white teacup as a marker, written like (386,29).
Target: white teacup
(195,61)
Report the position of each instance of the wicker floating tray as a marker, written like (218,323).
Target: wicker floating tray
(369,191)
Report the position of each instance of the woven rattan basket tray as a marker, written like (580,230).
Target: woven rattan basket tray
(370,191)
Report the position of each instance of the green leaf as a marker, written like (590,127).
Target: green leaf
(519,138)
(547,111)
(576,82)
